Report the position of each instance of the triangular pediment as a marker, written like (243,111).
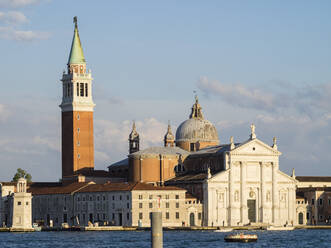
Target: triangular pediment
(254,146)
(220,176)
(283,177)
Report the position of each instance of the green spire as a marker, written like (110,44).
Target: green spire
(76,53)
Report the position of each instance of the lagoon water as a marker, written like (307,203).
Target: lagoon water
(173,239)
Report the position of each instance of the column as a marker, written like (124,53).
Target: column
(262,180)
(274,193)
(231,193)
(243,193)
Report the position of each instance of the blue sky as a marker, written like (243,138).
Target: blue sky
(266,62)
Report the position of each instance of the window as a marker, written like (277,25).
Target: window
(81,89)
(150,197)
(140,197)
(177,204)
(113,198)
(86,89)
(103,198)
(98,198)
(113,205)
(177,215)
(167,215)
(140,205)
(113,216)
(127,216)
(150,205)
(104,216)
(321,217)
(19,203)
(312,201)
(321,201)
(27,203)
(329,202)
(127,197)
(78,155)
(77,89)
(128,205)
(78,117)
(167,196)
(65,218)
(140,216)
(199,216)
(120,198)
(167,204)
(192,147)
(177,196)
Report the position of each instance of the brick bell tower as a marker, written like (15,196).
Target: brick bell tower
(77,113)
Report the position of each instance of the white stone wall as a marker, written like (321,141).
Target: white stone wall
(252,174)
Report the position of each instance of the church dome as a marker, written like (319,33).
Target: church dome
(196,128)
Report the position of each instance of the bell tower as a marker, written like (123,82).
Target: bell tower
(77,112)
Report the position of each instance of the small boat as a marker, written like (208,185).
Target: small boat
(240,237)
(224,230)
(36,227)
(280,228)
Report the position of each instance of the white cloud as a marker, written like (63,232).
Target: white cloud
(238,94)
(10,33)
(111,138)
(17,3)
(4,113)
(50,143)
(13,17)
(310,100)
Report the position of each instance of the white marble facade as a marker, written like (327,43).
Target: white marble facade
(251,189)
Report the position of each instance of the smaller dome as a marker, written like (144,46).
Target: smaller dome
(169,135)
(134,134)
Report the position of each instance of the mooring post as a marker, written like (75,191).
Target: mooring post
(156,233)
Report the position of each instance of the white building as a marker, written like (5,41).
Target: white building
(251,188)
(15,205)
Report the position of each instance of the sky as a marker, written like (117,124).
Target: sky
(261,62)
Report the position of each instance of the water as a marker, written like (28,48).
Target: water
(172,239)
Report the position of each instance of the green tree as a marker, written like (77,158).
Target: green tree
(21,173)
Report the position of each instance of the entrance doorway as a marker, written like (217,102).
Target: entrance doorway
(192,219)
(120,219)
(300,218)
(251,204)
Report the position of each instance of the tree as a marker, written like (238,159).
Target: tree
(21,173)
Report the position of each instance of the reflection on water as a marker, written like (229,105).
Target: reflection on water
(173,239)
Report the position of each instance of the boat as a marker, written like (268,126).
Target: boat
(36,227)
(280,228)
(240,237)
(224,230)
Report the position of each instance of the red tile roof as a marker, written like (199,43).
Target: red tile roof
(51,190)
(312,179)
(125,187)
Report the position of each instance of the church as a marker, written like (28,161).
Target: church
(194,178)
(238,183)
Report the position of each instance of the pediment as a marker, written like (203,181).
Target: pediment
(255,147)
(220,176)
(283,177)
